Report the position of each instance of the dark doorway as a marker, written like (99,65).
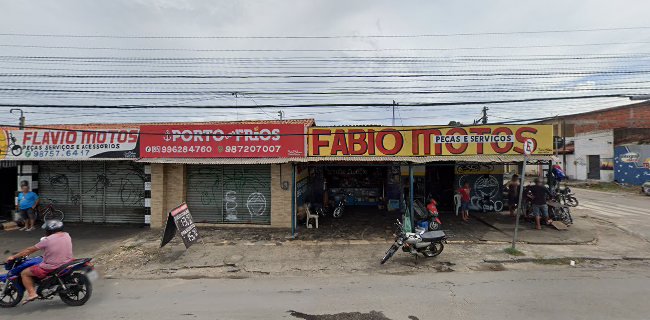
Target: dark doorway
(8,187)
(440,184)
(593,170)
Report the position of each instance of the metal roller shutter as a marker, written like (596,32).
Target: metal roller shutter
(230,194)
(247,194)
(97,192)
(124,200)
(93,191)
(59,181)
(204,193)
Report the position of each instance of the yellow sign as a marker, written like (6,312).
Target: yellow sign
(3,144)
(428,141)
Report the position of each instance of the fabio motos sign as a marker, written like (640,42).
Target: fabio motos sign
(70,144)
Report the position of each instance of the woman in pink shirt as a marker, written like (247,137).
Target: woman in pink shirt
(57,251)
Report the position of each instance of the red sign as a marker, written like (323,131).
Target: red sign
(271,140)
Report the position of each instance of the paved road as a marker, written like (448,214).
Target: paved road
(560,293)
(630,212)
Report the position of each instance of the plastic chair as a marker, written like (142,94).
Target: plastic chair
(310,216)
(457,203)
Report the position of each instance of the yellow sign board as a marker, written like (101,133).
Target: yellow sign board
(4,144)
(428,141)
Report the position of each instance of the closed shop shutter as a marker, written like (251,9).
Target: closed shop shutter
(230,194)
(247,194)
(204,193)
(125,192)
(96,192)
(93,187)
(59,182)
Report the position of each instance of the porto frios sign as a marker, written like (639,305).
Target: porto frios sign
(429,141)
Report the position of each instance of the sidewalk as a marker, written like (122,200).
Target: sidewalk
(87,239)
(582,231)
(259,252)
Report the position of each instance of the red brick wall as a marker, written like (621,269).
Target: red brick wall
(632,116)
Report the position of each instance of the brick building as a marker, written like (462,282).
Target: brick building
(586,142)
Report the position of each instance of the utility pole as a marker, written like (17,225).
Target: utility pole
(394,104)
(21,120)
(485,116)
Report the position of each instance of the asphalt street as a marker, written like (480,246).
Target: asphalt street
(630,212)
(560,292)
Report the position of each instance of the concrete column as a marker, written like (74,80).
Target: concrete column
(281,190)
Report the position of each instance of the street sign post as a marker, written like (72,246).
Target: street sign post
(529,147)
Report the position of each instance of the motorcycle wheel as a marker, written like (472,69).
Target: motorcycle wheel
(571,201)
(79,290)
(11,297)
(566,216)
(338,212)
(433,250)
(433,225)
(389,253)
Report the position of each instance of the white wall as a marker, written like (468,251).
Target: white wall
(596,143)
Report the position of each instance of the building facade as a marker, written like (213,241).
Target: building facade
(588,144)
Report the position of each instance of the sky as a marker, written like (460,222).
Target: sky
(165,54)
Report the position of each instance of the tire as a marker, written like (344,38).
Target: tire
(433,250)
(571,201)
(338,212)
(12,297)
(389,253)
(77,283)
(433,225)
(566,216)
(54,215)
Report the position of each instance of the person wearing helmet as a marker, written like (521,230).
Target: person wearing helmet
(57,251)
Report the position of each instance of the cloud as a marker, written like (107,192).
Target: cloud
(492,54)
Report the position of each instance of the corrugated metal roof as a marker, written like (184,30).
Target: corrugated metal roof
(473,158)
(135,125)
(426,159)
(222,160)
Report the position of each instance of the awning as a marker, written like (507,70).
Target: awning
(428,159)
(418,160)
(222,160)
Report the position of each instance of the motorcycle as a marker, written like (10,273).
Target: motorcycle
(339,207)
(568,197)
(430,244)
(71,282)
(559,212)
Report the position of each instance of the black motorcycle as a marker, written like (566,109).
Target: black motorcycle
(567,197)
(429,244)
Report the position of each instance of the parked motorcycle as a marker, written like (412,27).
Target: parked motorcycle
(339,206)
(430,244)
(567,197)
(559,212)
(71,282)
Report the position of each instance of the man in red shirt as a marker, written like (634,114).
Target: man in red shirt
(465,200)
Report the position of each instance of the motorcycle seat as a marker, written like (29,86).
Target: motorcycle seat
(69,264)
(432,236)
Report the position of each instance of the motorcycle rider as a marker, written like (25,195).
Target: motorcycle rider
(57,251)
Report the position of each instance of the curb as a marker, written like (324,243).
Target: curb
(528,260)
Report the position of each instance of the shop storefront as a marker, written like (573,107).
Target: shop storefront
(228,173)
(390,169)
(87,173)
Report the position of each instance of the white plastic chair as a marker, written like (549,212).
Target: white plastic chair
(457,203)
(310,216)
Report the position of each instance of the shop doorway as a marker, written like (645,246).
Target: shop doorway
(371,196)
(439,181)
(8,187)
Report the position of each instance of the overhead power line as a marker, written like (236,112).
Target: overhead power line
(322,50)
(431,35)
(317,105)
